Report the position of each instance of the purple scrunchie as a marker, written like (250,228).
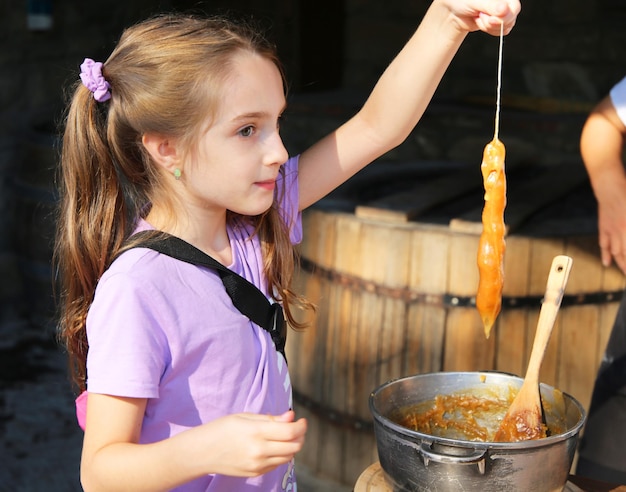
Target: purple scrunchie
(92,78)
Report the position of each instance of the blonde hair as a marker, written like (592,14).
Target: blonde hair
(166,75)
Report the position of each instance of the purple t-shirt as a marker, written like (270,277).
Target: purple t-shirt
(166,330)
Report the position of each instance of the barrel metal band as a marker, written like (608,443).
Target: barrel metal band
(411,296)
(338,419)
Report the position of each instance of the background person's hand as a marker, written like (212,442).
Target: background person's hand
(612,222)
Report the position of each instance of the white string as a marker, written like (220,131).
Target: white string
(499,88)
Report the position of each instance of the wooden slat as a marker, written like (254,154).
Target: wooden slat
(360,446)
(578,345)
(428,273)
(466,348)
(332,443)
(392,244)
(425,195)
(306,349)
(346,388)
(346,254)
(512,324)
(523,200)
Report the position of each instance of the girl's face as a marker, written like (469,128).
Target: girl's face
(239,157)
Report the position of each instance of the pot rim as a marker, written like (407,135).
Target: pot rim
(529,444)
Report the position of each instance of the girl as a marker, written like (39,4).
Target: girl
(178,131)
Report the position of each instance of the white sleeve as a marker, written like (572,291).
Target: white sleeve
(618,98)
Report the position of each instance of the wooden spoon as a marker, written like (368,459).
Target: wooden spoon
(524,420)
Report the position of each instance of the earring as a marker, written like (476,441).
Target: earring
(177,174)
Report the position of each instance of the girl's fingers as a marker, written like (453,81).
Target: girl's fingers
(278,431)
(280,428)
(495,14)
(288,416)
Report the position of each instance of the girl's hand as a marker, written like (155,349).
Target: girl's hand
(247,445)
(484,15)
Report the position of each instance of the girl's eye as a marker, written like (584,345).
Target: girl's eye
(247,131)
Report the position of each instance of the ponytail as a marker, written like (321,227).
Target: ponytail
(92,220)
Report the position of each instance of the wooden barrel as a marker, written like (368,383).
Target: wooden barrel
(390,260)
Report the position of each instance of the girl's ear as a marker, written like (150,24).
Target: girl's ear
(163,151)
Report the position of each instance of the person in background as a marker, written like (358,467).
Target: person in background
(177,132)
(602,453)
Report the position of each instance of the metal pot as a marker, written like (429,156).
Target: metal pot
(414,461)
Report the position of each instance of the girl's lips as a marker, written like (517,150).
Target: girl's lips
(267,185)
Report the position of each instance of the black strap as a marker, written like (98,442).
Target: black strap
(246,297)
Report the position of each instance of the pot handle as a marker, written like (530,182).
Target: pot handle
(477,457)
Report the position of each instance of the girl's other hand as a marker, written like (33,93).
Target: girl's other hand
(242,445)
(247,445)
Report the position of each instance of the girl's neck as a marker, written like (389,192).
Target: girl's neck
(207,233)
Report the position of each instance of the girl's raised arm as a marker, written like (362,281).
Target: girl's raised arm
(401,95)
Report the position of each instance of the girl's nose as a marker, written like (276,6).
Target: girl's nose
(277,153)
